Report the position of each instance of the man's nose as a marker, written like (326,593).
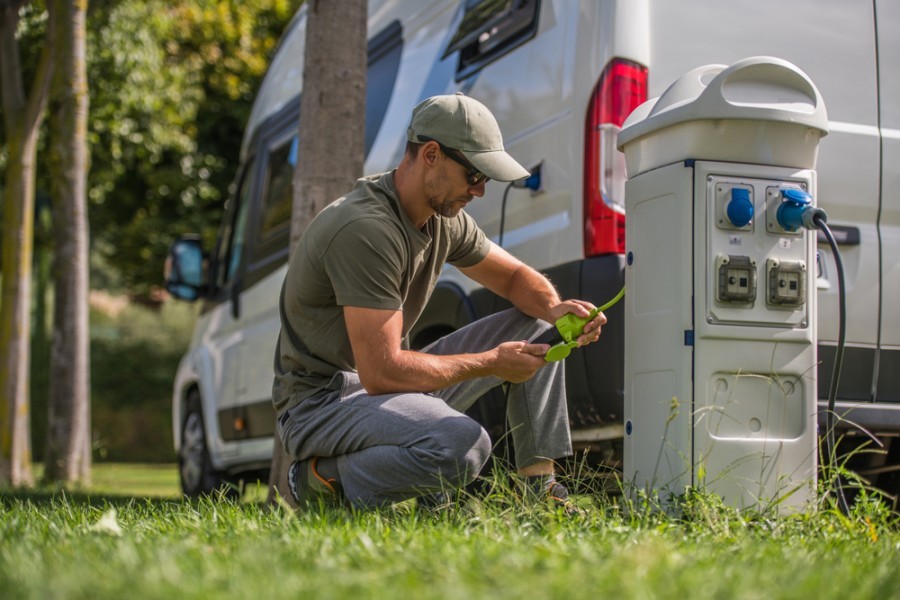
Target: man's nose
(478,190)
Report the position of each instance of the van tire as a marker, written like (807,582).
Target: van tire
(195,468)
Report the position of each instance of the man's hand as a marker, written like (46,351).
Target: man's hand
(519,361)
(580,308)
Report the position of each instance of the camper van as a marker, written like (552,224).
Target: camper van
(561,76)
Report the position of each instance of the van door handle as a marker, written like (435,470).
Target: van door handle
(236,298)
(845,235)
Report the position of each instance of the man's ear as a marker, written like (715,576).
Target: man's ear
(429,152)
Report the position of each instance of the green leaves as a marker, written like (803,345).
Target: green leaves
(172,86)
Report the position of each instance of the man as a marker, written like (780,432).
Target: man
(368,421)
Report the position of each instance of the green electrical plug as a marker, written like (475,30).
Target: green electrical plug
(570,327)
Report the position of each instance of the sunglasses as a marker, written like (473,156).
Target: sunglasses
(473,175)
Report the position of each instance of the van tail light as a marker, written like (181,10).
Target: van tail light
(621,89)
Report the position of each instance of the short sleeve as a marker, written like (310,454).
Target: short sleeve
(469,244)
(365,262)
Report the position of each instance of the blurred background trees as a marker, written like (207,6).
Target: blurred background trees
(68,450)
(23,101)
(171,85)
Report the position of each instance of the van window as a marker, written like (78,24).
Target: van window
(231,237)
(385,50)
(491,28)
(279,188)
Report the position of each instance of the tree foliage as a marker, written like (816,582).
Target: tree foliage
(172,87)
(172,83)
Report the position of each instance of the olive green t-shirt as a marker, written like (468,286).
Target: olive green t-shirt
(363,251)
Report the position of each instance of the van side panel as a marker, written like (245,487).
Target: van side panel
(888,31)
(426,30)
(530,92)
(540,92)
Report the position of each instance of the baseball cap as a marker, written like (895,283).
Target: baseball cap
(466,125)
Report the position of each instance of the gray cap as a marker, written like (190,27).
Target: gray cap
(465,124)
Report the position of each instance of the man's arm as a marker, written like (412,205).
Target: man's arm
(530,291)
(384,367)
(510,278)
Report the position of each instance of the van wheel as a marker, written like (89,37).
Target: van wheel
(198,477)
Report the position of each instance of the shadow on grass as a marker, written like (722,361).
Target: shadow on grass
(54,497)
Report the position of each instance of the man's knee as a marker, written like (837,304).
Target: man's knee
(465,448)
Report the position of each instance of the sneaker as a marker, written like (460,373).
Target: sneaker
(554,493)
(433,500)
(558,495)
(308,487)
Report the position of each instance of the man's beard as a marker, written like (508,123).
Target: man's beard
(447,208)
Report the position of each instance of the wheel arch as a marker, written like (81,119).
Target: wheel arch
(179,409)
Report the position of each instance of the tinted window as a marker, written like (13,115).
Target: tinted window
(384,63)
(491,28)
(232,235)
(279,189)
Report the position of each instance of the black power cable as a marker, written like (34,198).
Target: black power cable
(532,183)
(510,186)
(819,221)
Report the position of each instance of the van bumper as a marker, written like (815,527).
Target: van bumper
(875,417)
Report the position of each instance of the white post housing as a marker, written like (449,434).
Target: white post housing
(720,331)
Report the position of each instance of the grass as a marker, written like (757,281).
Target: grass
(128,480)
(98,545)
(139,480)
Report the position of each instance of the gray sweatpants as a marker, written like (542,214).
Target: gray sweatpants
(393,447)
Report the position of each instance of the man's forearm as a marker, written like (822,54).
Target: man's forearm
(532,293)
(384,367)
(410,371)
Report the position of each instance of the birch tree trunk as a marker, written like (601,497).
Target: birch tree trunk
(68,455)
(22,118)
(332,130)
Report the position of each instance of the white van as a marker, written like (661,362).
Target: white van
(560,76)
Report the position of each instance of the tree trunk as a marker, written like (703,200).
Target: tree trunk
(332,129)
(22,118)
(68,457)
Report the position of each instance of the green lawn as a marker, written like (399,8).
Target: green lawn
(109,543)
(150,480)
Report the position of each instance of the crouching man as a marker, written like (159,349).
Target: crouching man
(369,422)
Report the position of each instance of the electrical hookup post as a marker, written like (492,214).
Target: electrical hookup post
(720,330)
